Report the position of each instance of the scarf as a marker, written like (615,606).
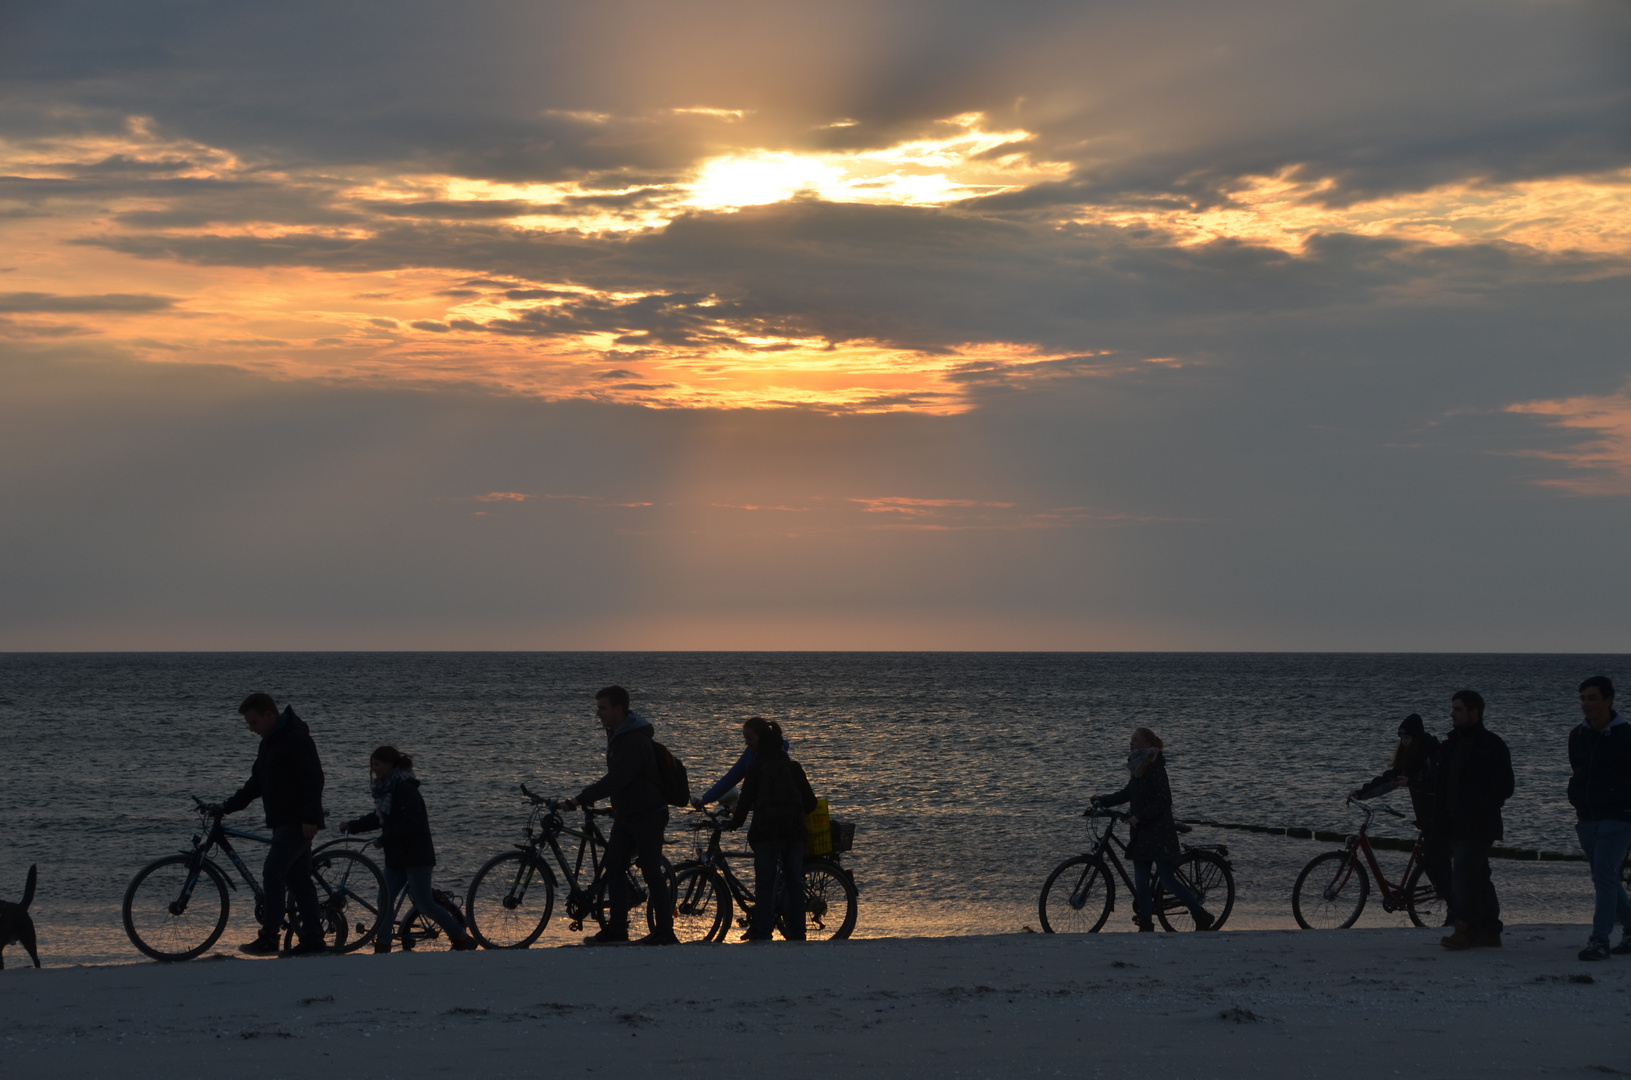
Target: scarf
(384,789)
(1139,760)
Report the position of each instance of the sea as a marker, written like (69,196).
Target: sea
(965,774)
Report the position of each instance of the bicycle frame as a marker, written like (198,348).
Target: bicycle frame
(1393,896)
(550,826)
(712,855)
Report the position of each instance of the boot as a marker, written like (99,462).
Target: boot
(1458,941)
(1204,920)
(1145,926)
(465,944)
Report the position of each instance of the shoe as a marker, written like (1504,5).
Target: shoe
(1623,948)
(1204,921)
(1595,950)
(382,946)
(1491,940)
(261,946)
(1145,926)
(308,948)
(608,936)
(659,937)
(754,935)
(465,944)
(1458,941)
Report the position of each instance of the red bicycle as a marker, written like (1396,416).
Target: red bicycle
(1331,891)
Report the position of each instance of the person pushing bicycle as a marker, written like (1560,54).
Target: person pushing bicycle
(1154,833)
(639,816)
(287,778)
(1412,766)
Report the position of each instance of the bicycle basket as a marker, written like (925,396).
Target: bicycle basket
(843,836)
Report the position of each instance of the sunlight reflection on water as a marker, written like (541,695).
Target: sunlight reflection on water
(965,773)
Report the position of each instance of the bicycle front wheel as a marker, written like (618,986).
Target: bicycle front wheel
(1208,876)
(349,886)
(1077,897)
(1330,892)
(167,922)
(1422,902)
(702,905)
(510,901)
(829,903)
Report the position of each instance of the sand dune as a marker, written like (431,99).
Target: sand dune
(1252,1003)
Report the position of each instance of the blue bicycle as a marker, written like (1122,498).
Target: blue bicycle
(177,907)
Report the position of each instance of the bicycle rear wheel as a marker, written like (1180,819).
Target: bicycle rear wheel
(702,905)
(164,924)
(1077,897)
(1330,892)
(1422,902)
(509,901)
(830,903)
(349,886)
(1208,876)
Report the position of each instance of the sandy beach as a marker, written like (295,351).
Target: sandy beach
(1246,1003)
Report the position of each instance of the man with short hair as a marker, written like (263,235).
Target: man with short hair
(639,816)
(1600,792)
(287,778)
(1474,779)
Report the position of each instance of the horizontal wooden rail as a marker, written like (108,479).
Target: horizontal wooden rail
(1384,843)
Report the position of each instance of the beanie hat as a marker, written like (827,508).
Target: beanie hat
(1412,726)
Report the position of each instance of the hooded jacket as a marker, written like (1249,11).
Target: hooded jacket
(1149,799)
(404,823)
(631,771)
(1420,780)
(287,777)
(780,823)
(1600,787)
(1474,778)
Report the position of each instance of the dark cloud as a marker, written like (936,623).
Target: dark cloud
(19,302)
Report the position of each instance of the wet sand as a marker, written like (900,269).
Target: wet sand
(1356,1003)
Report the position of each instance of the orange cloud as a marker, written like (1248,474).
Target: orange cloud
(1606,459)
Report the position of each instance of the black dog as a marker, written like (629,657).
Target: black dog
(15,924)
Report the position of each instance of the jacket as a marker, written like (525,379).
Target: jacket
(1474,778)
(1422,800)
(287,777)
(1149,799)
(1600,787)
(734,774)
(631,771)
(403,821)
(768,826)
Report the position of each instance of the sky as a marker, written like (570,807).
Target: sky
(885,325)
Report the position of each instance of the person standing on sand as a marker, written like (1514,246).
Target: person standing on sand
(1474,780)
(404,824)
(1600,792)
(778,794)
(639,816)
(1153,832)
(287,778)
(1414,762)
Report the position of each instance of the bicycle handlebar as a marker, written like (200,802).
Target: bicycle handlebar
(558,805)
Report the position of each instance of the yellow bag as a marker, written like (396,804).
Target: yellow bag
(818,830)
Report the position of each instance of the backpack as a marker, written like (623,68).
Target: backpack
(671,779)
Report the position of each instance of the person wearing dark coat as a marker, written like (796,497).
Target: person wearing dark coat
(287,778)
(778,794)
(639,816)
(1414,762)
(1600,792)
(1153,831)
(404,824)
(1473,780)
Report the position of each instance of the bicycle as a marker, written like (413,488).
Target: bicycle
(170,917)
(707,891)
(1080,893)
(1332,889)
(512,896)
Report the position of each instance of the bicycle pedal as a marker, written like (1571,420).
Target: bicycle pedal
(575,925)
